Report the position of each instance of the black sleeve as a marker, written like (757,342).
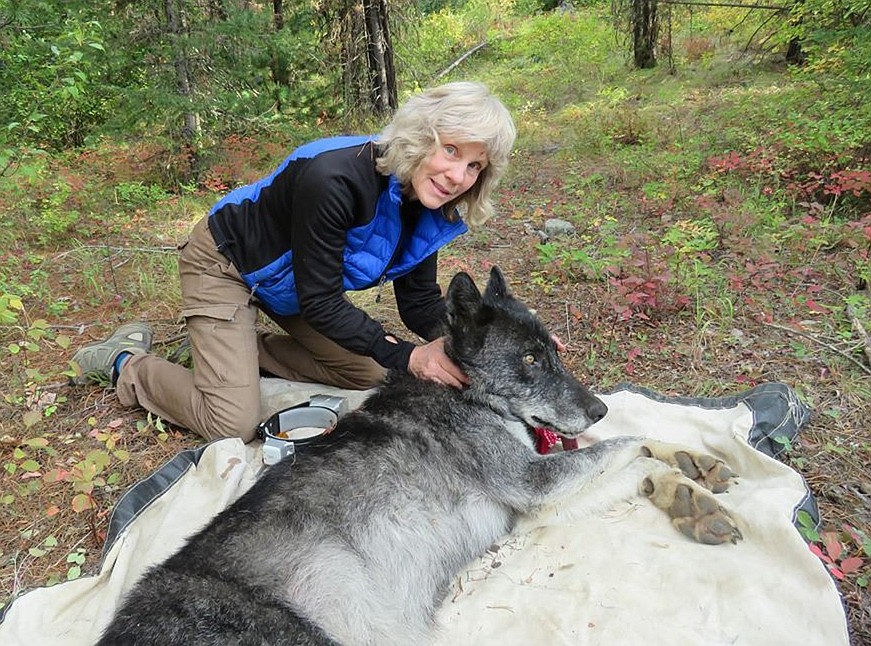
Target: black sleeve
(323,210)
(420,301)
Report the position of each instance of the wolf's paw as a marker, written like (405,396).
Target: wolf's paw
(694,511)
(713,474)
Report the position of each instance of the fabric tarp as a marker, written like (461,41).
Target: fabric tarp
(622,575)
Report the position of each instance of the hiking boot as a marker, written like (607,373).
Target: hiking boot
(96,362)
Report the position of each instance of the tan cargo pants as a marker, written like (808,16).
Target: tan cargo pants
(221,396)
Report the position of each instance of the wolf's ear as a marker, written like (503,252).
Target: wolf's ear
(497,287)
(463,299)
(467,318)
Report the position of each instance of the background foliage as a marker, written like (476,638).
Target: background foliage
(721,203)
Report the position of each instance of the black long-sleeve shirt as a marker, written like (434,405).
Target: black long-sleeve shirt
(308,205)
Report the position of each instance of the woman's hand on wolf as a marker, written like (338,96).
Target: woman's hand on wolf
(430,362)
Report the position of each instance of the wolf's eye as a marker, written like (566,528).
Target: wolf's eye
(529,359)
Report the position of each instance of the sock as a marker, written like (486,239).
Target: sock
(116,367)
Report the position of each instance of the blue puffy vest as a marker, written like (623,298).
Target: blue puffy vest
(372,252)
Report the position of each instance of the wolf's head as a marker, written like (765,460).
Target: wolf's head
(512,360)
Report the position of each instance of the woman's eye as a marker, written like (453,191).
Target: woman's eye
(450,150)
(529,359)
(475,167)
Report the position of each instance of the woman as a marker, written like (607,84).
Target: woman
(339,214)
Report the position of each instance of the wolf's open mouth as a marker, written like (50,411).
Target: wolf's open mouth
(540,423)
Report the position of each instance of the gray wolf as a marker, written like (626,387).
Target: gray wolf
(356,541)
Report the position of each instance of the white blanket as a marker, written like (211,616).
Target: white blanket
(622,576)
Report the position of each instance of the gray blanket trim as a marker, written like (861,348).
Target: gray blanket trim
(139,496)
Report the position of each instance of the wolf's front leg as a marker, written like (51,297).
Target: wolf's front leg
(557,475)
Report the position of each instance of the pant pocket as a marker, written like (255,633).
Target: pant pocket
(213,291)
(223,346)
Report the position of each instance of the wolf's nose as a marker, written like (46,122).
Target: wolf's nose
(597,410)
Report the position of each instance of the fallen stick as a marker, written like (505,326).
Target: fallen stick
(860,331)
(461,59)
(822,343)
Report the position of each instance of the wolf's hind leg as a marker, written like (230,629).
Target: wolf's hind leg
(693,510)
(713,474)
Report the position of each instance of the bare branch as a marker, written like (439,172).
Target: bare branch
(860,331)
(167,249)
(820,342)
(758,29)
(461,59)
(728,4)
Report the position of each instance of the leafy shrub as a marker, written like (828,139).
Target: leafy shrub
(697,48)
(51,77)
(54,218)
(440,38)
(137,194)
(691,236)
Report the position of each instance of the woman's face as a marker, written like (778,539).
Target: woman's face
(448,172)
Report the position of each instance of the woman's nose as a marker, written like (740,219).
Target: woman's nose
(456,172)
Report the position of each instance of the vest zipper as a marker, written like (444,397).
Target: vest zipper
(399,242)
(381,282)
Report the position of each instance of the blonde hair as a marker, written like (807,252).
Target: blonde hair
(464,111)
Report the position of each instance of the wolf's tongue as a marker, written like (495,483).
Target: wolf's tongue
(546,438)
(570,443)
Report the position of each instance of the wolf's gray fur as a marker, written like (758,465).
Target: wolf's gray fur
(356,541)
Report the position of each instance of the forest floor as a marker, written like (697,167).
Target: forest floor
(86,450)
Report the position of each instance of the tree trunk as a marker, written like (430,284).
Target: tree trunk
(278,15)
(644,33)
(184,80)
(278,65)
(216,10)
(794,53)
(389,69)
(380,57)
(361,37)
(353,72)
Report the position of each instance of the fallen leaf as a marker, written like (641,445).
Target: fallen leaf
(81,502)
(31,417)
(851,564)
